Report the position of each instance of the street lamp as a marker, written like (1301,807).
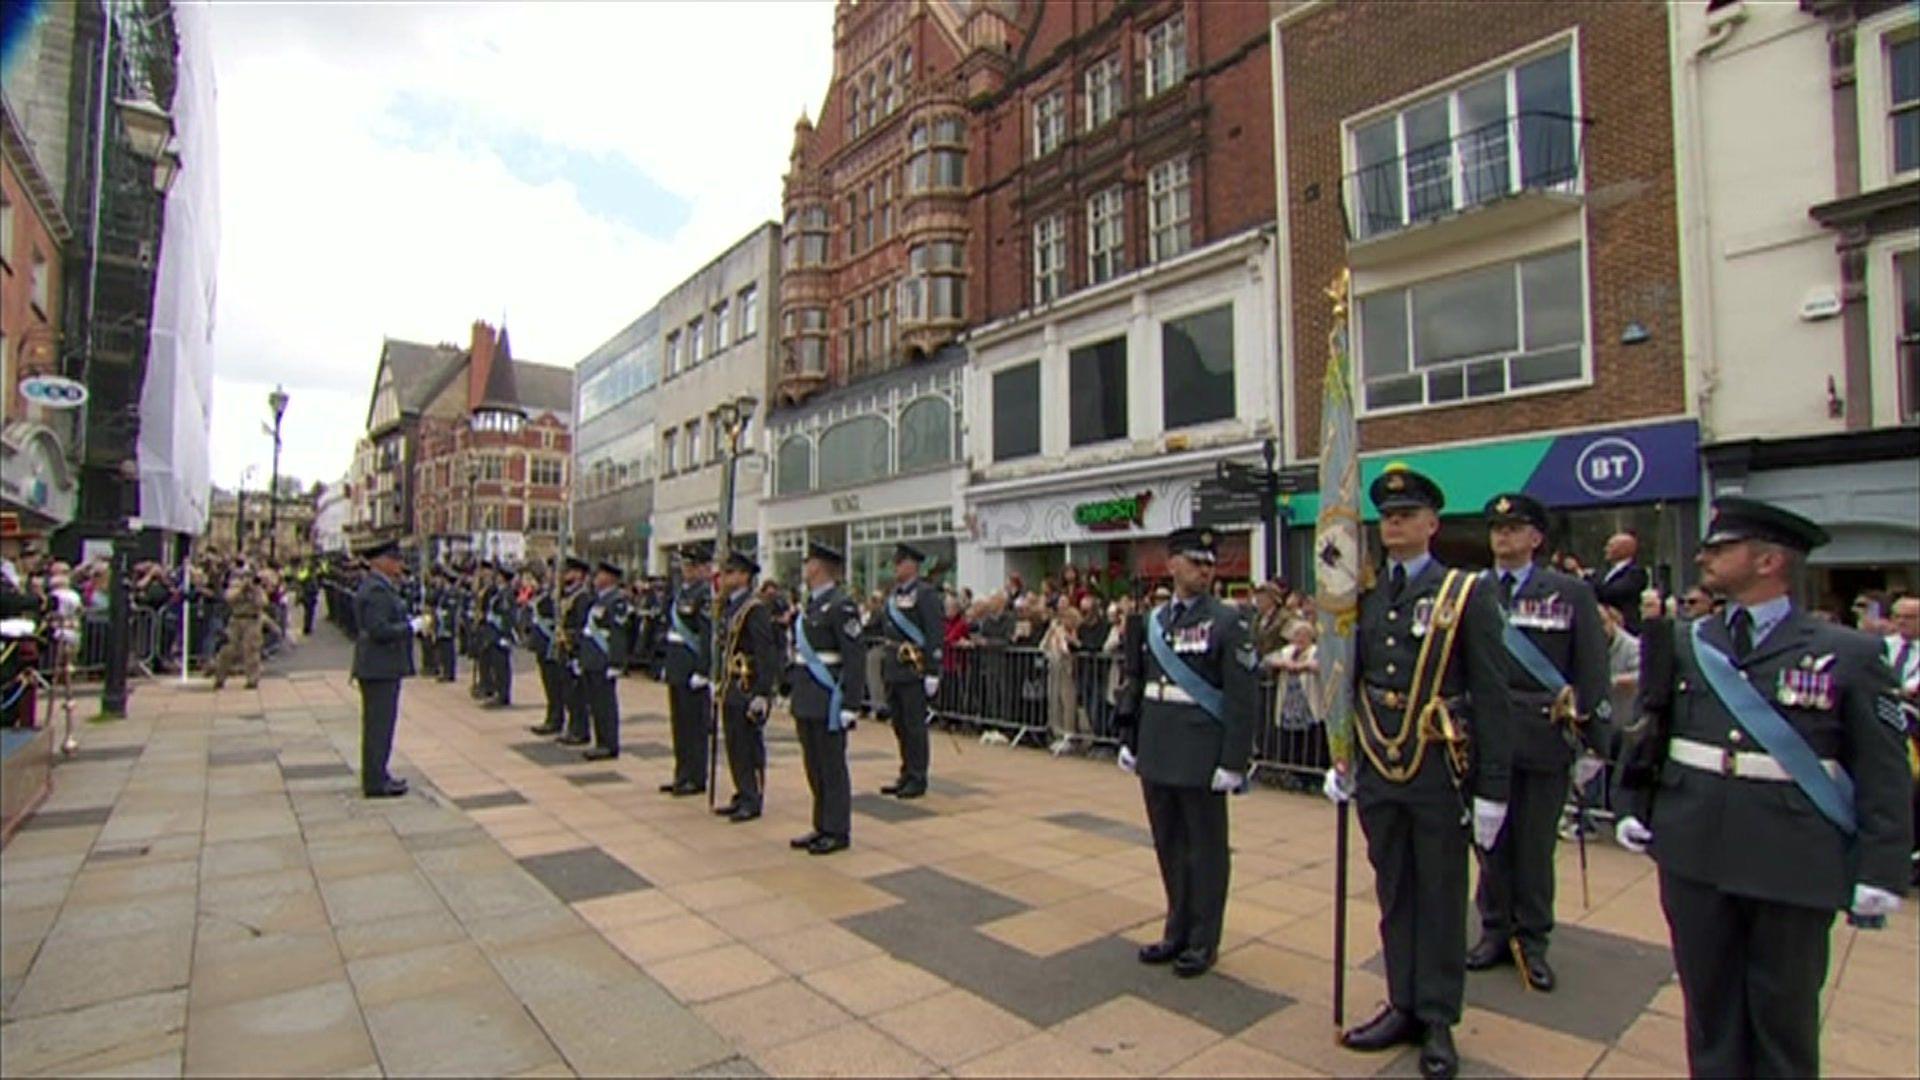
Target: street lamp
(277,401)
(240,511)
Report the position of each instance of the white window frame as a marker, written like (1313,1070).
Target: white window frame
(1049,258)
(1049,121)
(1874,41)
(1101,88)
(673,354)
(1166,50)
(697,334)
(721,327)
(747,303)
(1169,226)
(1106,234)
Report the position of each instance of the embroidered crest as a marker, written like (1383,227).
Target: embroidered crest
(1888,708)
(1505,504)
(1396,482)
(852,628)
(1247,657)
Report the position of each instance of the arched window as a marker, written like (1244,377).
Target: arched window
(853,451)
(926,434)
(793,471)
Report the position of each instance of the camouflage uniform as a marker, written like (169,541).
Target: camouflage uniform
(246,607)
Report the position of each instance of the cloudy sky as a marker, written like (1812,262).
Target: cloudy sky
(402,170)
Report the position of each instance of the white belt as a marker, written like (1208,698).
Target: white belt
(1168,693)
(823,657)
(674,638)
(1746,765)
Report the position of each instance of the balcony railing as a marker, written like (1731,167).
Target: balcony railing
(1524,152)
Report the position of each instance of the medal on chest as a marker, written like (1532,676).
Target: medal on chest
(1550,613)
(1807,685)
(1422,617)
(1193,639)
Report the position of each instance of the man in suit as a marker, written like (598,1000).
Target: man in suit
(575,601)
(1733,784)
(915,624)
(1559,703)
(828,678)
(1619,585)
(753,676)
(382,656)
(1432,727)
(689,665)
(602,647)
(1191,677)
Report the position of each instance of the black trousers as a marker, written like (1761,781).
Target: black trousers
(1190,838)
(603,703)
(575,696)
(379,711)
(746,751)
(1515,896)
(1418,849)
(1751,972)
(429,658)
(501,684)
(824,755)
(553,684)
(306,618)
(907,712)
(690,712)
(448,658)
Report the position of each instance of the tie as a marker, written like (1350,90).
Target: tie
(1174,613)
(1399,581)
(1742,626)
(1506,588)
(1900,660)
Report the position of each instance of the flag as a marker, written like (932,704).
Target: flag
(1336,538)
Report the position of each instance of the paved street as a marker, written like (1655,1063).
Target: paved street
(206,893)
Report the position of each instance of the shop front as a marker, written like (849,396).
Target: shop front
(616,528)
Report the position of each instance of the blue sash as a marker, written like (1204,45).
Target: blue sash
(906,626)
(1204,694)
(817,668)
(687,636)
(1831,795)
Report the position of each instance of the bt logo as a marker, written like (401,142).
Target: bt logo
(1609,468)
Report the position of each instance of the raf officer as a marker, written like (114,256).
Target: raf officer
(382,656)
(1193,693)
(447,603)
(500,622)
(1736,780)
(828,675)
(1557,693)
(545,640)
(575,601)
(602,646)
(753,677)
(689,662)
(915,626)
(1431,724)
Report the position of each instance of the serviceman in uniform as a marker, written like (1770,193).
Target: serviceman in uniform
(828,676)
(1768,779)
(1558,701)
(480,631)
(429,596)
(1192,697)
(915,625)
(448,606)
(246,610)
(602,646)
(1433,730)
(576,599)
(500,623)
(543,640)
(382,656)
(753,677)
(689,662)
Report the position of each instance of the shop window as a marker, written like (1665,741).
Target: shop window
(1196,356)
(854,451)
(1097,398)
(793,472)
(1016,412)
(926,434)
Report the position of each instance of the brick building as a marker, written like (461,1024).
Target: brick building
(1502,191)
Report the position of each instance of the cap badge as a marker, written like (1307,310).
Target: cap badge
(1505,504)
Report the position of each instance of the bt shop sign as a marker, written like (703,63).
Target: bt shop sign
(1609,468)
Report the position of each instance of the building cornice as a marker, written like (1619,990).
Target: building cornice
(19,153)
(1156,465)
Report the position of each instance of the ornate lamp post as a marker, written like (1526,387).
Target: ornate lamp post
(277,401)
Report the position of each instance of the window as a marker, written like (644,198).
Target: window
(1196,368)
(697,335)
(1482,333)
(934,289)
(37,282)
(670,451)
(853,112)
(884,301)
(926,434)
(721,327)
(1166,55)
(673,354)
(692,439)
(1169,209)
(543,519)
(1049,122)
(6,231)
(793,469)
(937,155)
(866,217)
(716,439)
(1102,91)
(1903,101)
(1049,258)
(492,467)
(1097,393)
(1106,235)
(748,305)
(545,472)
(1016,412)
(1906,274)
(886,205)
(853,451)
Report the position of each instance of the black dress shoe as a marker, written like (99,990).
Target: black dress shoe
(802,843)
(600,753)
(891,789)
(546,729)
(1438,1059)
(1389,1028)
(573,740)
(393,790)
(1489,952)
(681,791)
(827,844)
(1539,974)
(909,791)
(1160,952)
(727,808)
(1193,963)
(747,812)
(667,788)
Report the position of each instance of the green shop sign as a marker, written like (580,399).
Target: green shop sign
(1113,515)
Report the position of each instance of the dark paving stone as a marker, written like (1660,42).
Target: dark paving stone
(491,799)
(871,755)
(946,898)
(583,874)
(733,1066)
(110,753)
(315,772)
(888,808)
(1107,827)
(68,819)
(647,751)
(587,779)
(547,753)
(244,757)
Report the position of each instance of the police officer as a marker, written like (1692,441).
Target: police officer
(915,627)
(1432,728)
(602,648)
(382,656)
(828,675)
(1559,681)
(1735,781)
(1192,693)
(575,601)
(543,640)
(689,660)
(753,676)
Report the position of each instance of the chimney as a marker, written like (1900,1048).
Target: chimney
(479,363)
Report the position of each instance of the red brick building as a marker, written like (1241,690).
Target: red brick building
(38,480)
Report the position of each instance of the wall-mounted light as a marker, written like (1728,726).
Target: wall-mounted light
(1836,408)
(1634,334)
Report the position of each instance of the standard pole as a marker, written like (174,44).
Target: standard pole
(722,543)
(1340,917)
(273,497)
(1269,511)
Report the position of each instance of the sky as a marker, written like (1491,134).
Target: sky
(400,170)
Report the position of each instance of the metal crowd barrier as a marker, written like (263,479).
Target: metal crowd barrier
(90,659)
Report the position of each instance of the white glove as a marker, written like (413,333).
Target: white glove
(1227,780)
(848,718)
(613,674)
(697,682)
(1869,902)
(1488,817)
(1338,786)
(417,623)
(932,683)
(1632,835)
(1127,761)
(1585,768)
(758,708)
